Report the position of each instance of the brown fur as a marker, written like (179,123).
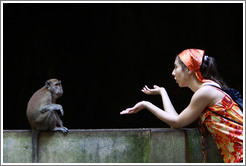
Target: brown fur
(42,111)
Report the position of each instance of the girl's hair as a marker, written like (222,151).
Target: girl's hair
(208,70)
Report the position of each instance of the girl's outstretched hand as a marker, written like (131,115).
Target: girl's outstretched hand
(156,91)
(138,107)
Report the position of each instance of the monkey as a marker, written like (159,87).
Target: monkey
(43,112)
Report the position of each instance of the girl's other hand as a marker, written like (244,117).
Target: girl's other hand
(156,91)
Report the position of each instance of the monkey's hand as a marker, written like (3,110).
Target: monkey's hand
(61,110)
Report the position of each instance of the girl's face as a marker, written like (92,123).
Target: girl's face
(179,74)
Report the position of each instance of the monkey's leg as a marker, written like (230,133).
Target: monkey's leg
(59,121)
(63,129)
(34,145)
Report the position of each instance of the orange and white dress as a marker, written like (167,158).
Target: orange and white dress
(227,134)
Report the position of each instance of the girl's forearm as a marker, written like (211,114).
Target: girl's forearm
(167,117)
(167,104)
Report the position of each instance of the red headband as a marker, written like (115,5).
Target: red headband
(192,58)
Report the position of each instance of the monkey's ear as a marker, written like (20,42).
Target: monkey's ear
(47,84)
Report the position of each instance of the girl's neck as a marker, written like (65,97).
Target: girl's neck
(195,84)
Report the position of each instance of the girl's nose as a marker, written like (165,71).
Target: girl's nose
(173,73)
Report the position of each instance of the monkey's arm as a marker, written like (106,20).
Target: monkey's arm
(52,107)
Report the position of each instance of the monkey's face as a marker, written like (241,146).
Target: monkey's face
(56,89)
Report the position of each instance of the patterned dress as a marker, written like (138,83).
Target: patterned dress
(228,135)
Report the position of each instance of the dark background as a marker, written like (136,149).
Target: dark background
(105,53)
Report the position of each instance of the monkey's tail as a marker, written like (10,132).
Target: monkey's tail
(35,145)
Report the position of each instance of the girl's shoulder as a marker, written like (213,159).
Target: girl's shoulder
(209,93)
(205,91)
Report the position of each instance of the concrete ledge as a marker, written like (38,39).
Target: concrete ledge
(167,146)
(110,146)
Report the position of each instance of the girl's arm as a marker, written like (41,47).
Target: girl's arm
(167,104)
(199,101)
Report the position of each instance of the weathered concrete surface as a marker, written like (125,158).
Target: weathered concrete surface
(110,146)
(168,146)
(102,146)
(17,146)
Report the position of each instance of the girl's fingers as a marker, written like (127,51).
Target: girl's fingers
(127,111)
(147,88)
(124,112)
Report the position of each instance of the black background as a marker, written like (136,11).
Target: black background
(104,53)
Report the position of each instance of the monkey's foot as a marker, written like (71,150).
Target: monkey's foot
(63,129)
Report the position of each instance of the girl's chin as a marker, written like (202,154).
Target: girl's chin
(180,85)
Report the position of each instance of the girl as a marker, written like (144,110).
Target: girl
(197,71)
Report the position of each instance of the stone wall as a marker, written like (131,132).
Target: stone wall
(110,146)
